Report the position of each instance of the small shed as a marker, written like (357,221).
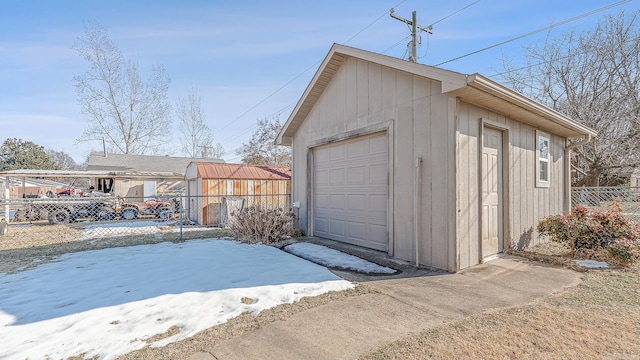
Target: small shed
(214,190)
(432,166)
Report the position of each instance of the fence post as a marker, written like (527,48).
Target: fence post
(181,217)
(5,196)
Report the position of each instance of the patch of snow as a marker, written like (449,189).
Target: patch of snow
(105,303)
(592,264)
(336,259)
(121,228)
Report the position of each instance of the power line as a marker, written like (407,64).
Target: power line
(227,140)
(413,27)
(450,15)
(396,44)
(537,31)
(373,22)
(270,95)
(302,73)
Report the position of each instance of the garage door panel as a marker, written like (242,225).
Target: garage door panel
(336,202)
(356,149)
(378,202)
(378,145)
(321,225)
(352,205)
(322,201)
(356,175)
(378,234)
(378,174)
(322,178)
(337,227)
(357,202)
(320,158)
(357,230)
(336,153)
(336,177)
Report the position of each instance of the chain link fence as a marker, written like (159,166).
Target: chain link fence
(105,221)
(628,198)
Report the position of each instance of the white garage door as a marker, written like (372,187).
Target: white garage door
(350,191)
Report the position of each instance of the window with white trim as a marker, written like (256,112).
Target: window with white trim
(543,157)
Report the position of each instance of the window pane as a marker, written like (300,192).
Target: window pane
(544,171)
(543,148)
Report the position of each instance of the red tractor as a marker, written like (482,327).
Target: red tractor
(162,210)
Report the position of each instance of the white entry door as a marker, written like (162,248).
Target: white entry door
(492,234)
(350,191)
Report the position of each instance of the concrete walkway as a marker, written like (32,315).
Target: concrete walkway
(401,305)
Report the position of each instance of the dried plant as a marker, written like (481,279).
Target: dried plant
(255,225)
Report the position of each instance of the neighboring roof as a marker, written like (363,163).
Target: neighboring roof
(475,89)
(34,182)
(91,174)
(240,171)
(142,163)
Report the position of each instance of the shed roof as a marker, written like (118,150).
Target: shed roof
(238,171)
(142,163)
(474,88)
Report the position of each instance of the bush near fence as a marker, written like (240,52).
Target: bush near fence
(603,197)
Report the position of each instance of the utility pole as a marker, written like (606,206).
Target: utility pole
(413,57)
(205,151)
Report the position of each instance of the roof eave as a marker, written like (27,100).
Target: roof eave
(487,86)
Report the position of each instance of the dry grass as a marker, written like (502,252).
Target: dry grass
(239,326)
(170,332)
(27,247)
(599,319)
(39,233)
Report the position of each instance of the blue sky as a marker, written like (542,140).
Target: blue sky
(237,53)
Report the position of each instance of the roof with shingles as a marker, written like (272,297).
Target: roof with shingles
(242,171)
(142,163)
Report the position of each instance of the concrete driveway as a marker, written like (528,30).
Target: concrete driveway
(400,305)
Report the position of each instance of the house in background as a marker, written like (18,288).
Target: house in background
(215,190)
(30,187)
(141,175)
(432,166)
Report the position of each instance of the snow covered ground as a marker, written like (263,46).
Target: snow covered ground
(107,302)
(137,227)
(335,259)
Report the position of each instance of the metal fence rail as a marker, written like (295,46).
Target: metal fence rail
(628,198)
(43,221)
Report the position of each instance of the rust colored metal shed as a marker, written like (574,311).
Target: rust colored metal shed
(216,190)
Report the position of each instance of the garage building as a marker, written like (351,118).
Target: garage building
(432,166)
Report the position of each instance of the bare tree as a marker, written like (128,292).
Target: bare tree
(261,149)
(217,151)
(131,114)
(197,137)
(62,160)
(594,78)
